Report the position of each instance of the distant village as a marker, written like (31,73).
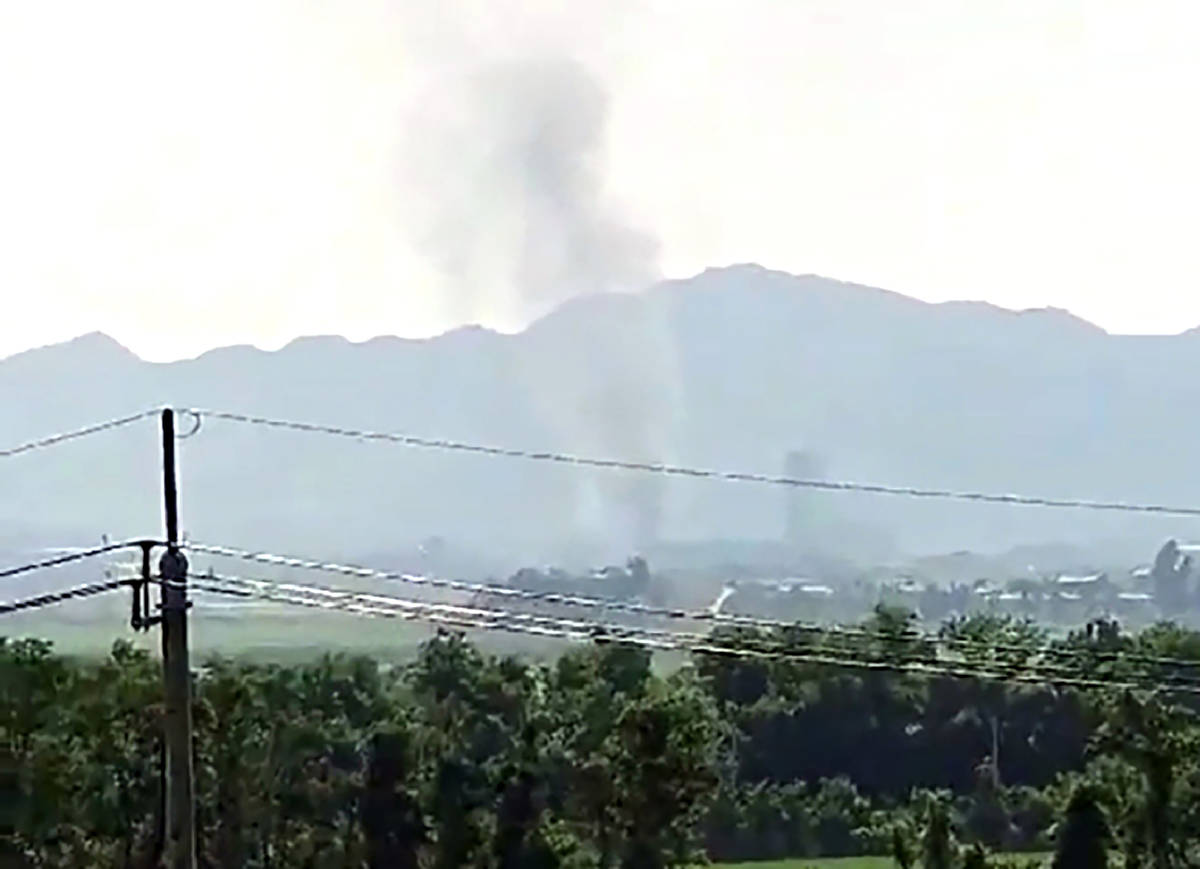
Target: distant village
(769,579)
(1167,587)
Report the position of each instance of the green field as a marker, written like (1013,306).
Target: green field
(278,636)
(859,862)
(834,863)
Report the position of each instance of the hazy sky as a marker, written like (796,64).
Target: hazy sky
(186,175)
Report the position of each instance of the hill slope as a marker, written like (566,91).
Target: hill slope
(731,368)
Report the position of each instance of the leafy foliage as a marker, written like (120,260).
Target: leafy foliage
(1084,835)
(595,760)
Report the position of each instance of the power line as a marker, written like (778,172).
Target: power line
(338,598)
(583,600)
(702,616)
(256,589)
(70,557)
(367,604)
(63,437)
(335,598)
(616,464)
(44,600)
(502,621)
(550,597)
(695,473)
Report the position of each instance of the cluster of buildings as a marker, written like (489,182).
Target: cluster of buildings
(1143,594)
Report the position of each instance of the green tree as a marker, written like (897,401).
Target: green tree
(975,858)
(391,815)
(901,852)
(1083,836)
(1158,740)
(937,842)
(664,753)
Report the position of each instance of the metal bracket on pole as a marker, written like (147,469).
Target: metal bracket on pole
(140,618)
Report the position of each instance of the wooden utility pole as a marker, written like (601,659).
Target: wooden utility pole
(181,812)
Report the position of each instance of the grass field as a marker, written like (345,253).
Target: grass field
(837,863)
(278,637)
(283,636)
(858,863)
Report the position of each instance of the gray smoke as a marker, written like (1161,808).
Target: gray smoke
(506,167)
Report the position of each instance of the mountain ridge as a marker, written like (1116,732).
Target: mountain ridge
(733,369)
(98,340)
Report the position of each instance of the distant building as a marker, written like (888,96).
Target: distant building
(1079,581)
(787,598)
(1082,587)
(800,511)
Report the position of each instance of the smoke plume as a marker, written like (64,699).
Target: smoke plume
(507,166)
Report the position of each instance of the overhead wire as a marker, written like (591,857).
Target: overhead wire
(607,463)
(566,458)
(545,627)
(199,414)
(77,592)
(264,591)
(551,597)
(706,615)
(365,602)
(71,557)
(336,597)
(63,437)
(692,472)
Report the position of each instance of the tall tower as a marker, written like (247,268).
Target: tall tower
(801,508)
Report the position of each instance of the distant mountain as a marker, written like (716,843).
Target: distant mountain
(732,369)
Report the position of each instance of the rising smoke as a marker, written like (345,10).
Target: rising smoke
(507,163)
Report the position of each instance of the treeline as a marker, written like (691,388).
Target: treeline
(836,743)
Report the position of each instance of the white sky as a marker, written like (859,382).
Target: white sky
(187,175)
